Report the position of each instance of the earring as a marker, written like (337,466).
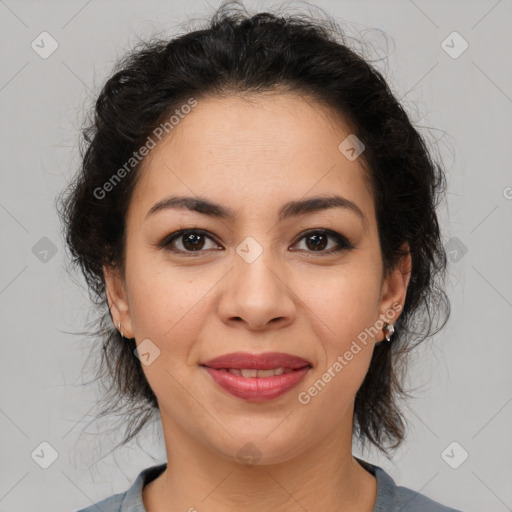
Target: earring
(119,329)
(389,330)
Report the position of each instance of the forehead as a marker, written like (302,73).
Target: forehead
(256,149)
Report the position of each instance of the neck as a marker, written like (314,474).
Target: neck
(322,477)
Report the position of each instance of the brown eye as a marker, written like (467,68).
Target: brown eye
(189,240)
(193,241)
(317,241)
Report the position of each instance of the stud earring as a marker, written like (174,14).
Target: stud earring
(119,329)
(389,329)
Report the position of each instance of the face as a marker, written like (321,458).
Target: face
(267,278)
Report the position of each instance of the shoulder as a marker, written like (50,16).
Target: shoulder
(131,499)
(111,504)
(393,497)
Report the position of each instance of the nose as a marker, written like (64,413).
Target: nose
(257,295)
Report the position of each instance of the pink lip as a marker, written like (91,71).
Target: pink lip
(257,389)
(264,361)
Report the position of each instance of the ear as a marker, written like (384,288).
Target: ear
(118,300)
(394,288)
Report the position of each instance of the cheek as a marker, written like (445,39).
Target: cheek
(344,300)
(169,308)
(165,302)
(343,307)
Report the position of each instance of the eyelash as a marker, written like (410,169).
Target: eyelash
(343,243)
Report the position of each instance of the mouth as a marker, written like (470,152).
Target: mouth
(254,373)
(257,377)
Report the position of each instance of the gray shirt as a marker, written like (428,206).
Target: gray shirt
(390,497)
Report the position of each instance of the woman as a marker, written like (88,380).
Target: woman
(258,214)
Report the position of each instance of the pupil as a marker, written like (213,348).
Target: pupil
(189,239)
(318,244)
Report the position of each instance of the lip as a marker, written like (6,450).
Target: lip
(257,389)
(264,361)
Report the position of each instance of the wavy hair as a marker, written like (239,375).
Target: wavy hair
(237,53)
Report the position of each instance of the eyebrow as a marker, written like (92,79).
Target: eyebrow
(290,209)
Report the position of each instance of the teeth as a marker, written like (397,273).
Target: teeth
(251,372)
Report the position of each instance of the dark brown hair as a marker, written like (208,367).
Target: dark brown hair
(241,53)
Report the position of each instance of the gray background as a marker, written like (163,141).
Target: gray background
(465,389)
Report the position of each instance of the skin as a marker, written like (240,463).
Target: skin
(253,155)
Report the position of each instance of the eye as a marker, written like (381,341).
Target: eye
(316,240)
(188,241)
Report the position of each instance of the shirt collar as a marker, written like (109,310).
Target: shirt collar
(132,501)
